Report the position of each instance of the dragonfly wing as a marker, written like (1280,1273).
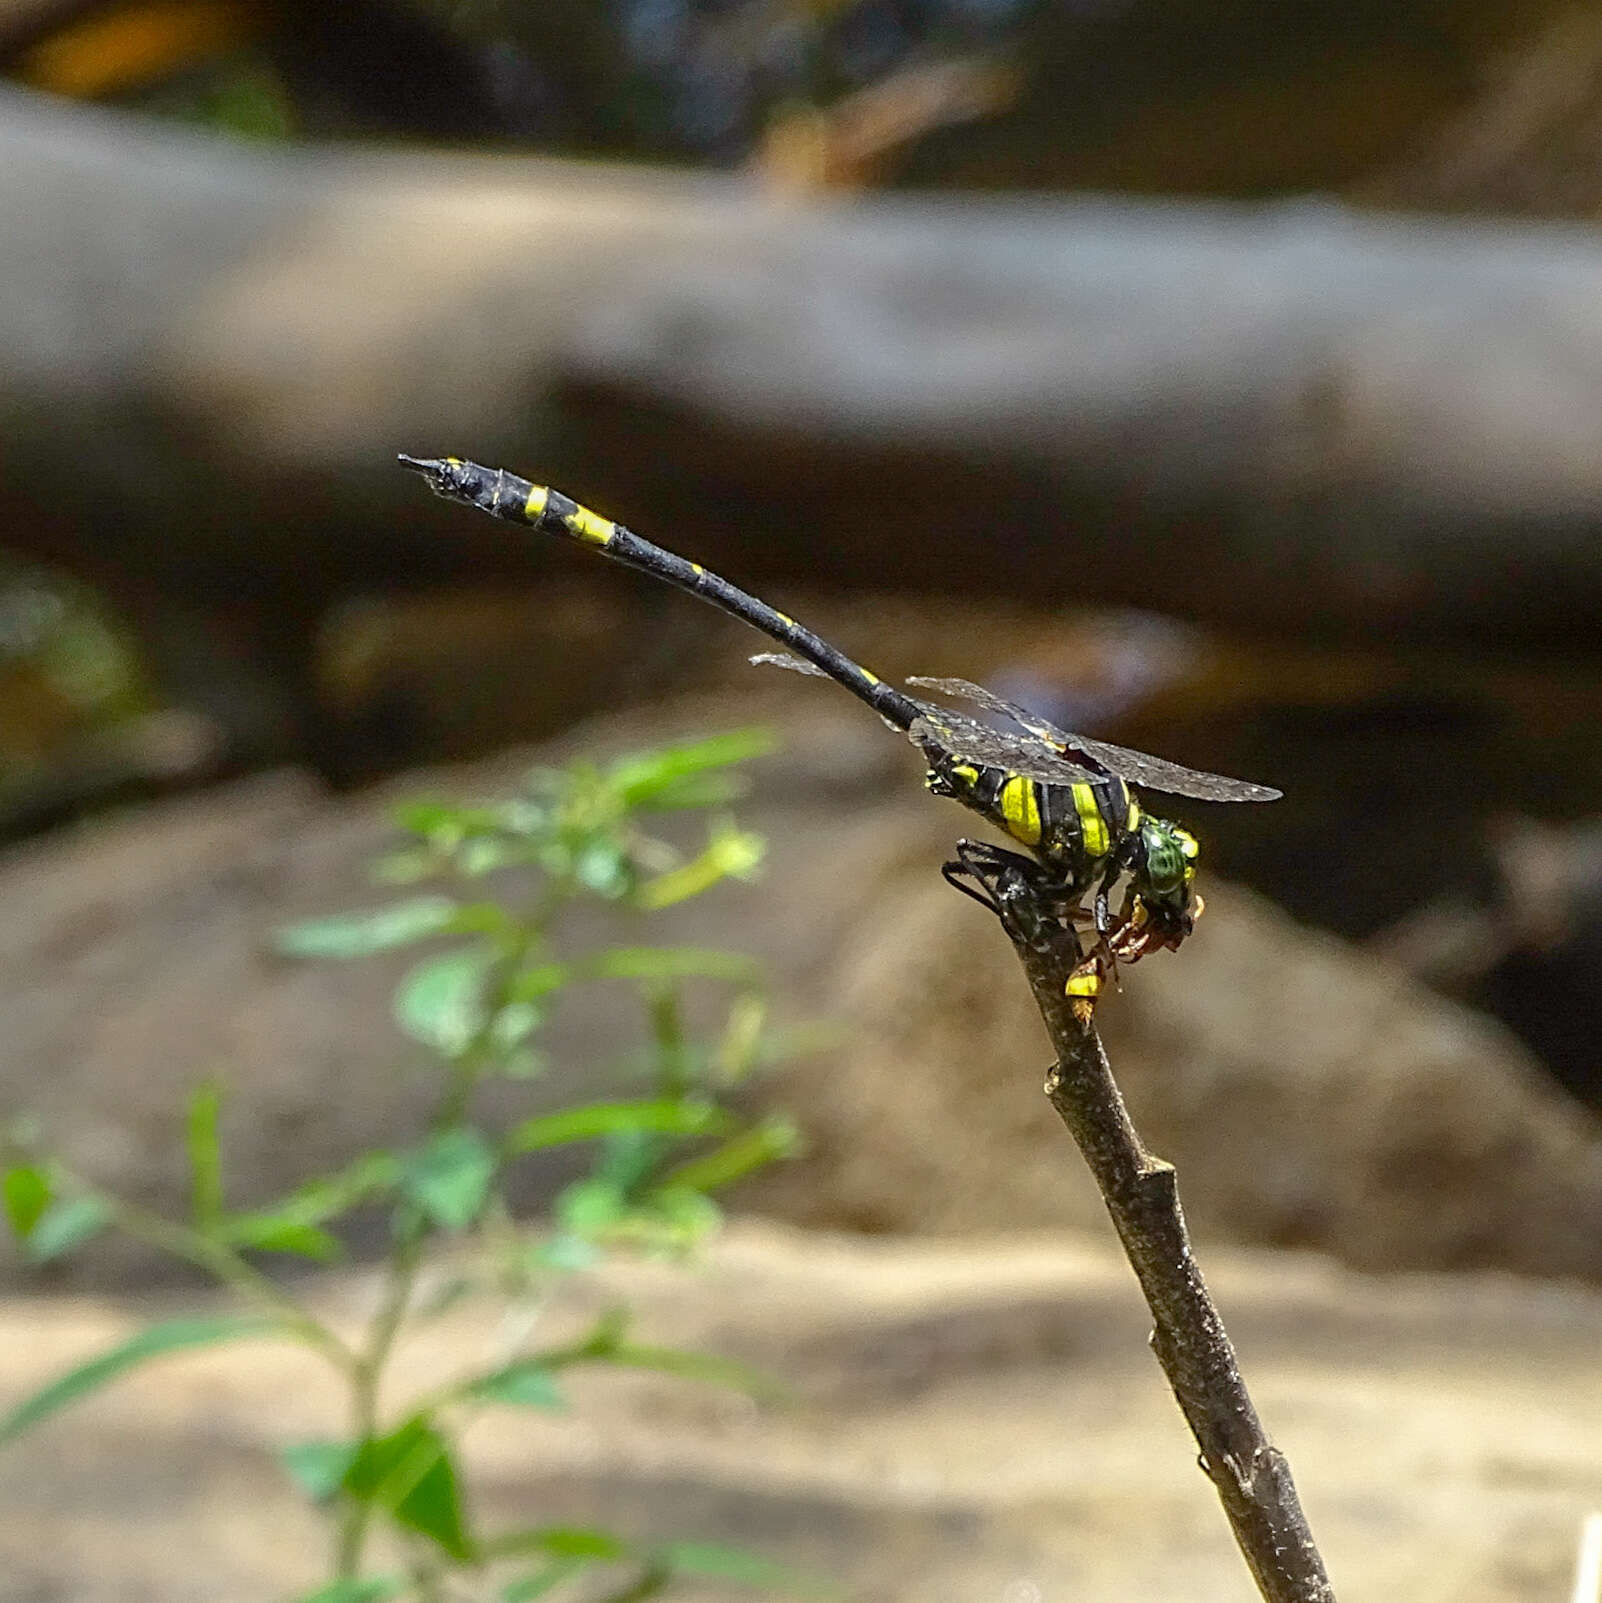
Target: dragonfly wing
(991,702)
(1048,756)
(1173,779)
(783,659)
(971,741)
(1139,768)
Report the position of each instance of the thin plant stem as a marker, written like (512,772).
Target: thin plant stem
(226,1265)
(405,1255)
(366,1380)
(652,1582)
(1141,1193)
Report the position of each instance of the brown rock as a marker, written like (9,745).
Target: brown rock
(1309,1093)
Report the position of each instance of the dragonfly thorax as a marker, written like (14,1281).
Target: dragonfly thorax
(1079,830)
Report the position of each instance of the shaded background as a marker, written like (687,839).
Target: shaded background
(1222,379)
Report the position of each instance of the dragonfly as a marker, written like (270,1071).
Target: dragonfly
(1072,802)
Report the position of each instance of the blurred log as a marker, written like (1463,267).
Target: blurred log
(1289,418)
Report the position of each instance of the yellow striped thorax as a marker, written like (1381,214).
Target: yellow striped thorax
(1075,829)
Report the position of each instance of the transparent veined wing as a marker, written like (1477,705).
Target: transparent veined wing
(1138,767)
(1173,779)
(783,659)
(991,702)
(971,741)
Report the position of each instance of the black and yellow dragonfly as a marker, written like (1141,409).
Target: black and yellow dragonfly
(1068,799)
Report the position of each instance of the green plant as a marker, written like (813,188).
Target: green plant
(477,1001)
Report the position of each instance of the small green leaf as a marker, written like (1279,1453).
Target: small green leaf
(664,1115)
(67,1223)
(374,1589)
(450,1178)
(603,866)
(347,935)
(205,1155)
(708,1368)
(405,867)
(698,793)
(267,1233)
(775,1137)
(652,778)
(441,1002)
(673,963)
(534,984)
(318,1468)
(590,1207)
(605,1336)
(523,1064)
(482,918)
(733,1564)
(150,1342)
(740,1049)
(27,1196)
(372,1175)
(527,1587)
(684,1210)
(410,1473)
(526,1384)
(444,822)
(513,1024)
(577,1541)
(475,858)
(523,816)
(730,854)
(564,1252)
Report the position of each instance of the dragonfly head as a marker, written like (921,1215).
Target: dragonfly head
(1162,904)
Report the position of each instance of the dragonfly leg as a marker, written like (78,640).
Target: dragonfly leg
(1107,949)
(1027,898)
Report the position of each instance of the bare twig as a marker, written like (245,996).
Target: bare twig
(1253,1477)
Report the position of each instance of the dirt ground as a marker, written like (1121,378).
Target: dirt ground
(973,1419)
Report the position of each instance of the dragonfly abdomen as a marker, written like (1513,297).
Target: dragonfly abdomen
(517,500)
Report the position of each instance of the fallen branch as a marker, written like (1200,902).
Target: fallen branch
(1294,418)
(1252,1477)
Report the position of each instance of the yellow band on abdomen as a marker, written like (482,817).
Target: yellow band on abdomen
(591,526)
(1092,825)
(1020,809)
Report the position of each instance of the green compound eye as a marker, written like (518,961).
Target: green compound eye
(1167,861)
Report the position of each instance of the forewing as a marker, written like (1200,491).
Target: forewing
(1138,767)
(1157,773)
(1047,755)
